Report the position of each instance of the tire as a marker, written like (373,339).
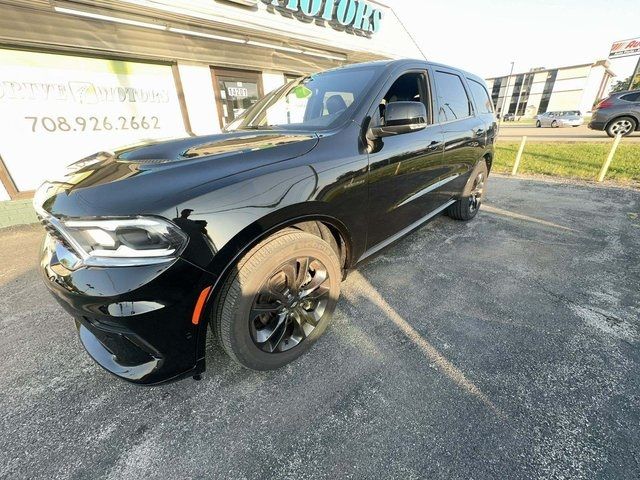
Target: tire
(266,318)
(623,125)
(467,206)
(554,124)
(538,124)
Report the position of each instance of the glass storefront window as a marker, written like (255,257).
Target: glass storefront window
(235,92)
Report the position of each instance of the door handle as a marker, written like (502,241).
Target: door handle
(434,145)
(479,132)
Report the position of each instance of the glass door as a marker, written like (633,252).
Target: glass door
(236,90)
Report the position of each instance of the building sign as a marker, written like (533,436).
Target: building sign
(624,48)
(355,14)
(56,109)
(245,3)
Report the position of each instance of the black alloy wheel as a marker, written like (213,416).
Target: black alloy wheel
(278,300)
(477,192)
(289,305)
(467,206)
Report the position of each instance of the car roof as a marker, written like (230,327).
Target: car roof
(626,92)
(390,64)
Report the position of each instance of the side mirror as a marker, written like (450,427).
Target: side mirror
(401,117)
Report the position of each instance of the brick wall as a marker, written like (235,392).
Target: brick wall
(17,212)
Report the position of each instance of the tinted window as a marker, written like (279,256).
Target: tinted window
(631,97)
(480,95)
(454,102)
(410,87)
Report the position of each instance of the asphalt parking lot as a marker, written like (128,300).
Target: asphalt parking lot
(507,347)
(513,132)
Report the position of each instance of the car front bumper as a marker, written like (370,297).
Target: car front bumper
(136,322)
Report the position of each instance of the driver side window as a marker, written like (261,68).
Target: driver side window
(410,87)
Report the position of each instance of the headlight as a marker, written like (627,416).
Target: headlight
(124,242)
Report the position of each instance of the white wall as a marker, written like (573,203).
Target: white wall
(623,67)
(575,72)
(3,193)
(535,94)
(271,81)
(565,100)
(200,98)
(508,94)
(592,87)
(569,89)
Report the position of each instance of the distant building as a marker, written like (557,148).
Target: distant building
(540,90)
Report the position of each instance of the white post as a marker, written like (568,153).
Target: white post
(519,156)
(504,99)
(607,163)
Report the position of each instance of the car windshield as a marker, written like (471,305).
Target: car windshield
(317,102)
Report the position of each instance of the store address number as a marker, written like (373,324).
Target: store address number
(81,124)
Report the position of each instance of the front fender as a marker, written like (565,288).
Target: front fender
(225,259)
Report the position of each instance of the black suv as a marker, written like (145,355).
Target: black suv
(619,114)
(251,231)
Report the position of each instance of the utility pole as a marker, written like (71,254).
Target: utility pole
(506,90)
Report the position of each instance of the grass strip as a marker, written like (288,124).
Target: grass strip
(570,160)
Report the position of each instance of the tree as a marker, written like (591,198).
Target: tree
(620,85)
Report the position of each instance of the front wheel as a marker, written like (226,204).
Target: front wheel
(538,124)
(278,300)
(468,205)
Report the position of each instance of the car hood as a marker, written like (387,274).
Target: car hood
(145,178)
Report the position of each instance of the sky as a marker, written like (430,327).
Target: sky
(484,37)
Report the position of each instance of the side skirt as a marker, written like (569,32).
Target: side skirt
(405,231)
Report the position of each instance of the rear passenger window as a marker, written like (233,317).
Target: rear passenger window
(480,95)
(632,97)
(454,102)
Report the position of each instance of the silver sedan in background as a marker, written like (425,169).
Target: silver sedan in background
(568,118)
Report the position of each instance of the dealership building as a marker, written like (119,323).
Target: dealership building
(79,77)
(540,90)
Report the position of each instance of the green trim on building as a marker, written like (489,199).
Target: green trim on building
(17,212)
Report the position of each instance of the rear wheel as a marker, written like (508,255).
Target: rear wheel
(467,206)
(621,126)
(278,300)
(538,124)
(554,124)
